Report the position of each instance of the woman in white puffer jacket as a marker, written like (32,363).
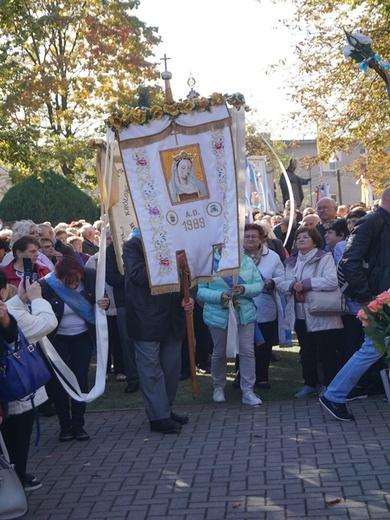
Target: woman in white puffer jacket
(320,337)
(18,425)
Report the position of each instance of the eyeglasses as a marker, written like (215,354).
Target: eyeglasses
(49,246)
(252,237)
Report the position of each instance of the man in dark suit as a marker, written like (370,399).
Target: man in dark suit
(156,324)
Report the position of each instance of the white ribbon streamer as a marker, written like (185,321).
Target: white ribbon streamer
(61,369)
(232,333)
(288,182)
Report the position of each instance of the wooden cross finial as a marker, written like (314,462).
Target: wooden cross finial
(165,59)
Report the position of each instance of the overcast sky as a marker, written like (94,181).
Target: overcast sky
(228,48)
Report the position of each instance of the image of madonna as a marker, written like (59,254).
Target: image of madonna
(184,186)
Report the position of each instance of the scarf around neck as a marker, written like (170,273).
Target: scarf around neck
(74,299)
(258,255)
(302,260)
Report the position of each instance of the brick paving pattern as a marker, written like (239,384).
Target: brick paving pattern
(277,461)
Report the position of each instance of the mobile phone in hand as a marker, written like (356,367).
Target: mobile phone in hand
(28,271)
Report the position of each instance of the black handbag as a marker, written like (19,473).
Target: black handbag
(22,370)
(13,500)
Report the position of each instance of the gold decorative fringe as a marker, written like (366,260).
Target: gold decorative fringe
(163,289)
(227,272)
(205,127)
(175,128)
(144,141)
(201,279)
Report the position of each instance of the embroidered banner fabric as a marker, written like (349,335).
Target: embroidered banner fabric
(183,185)
(120,207)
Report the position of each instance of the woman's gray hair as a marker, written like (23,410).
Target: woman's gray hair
(20,229)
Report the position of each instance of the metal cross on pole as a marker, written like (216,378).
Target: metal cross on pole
(165,59)
(166,76)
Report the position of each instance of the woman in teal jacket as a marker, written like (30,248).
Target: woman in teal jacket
(216,296)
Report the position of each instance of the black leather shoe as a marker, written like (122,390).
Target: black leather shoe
(338,410)
(131,388)
(165,426)
(65,435)
(181,419)
(80,434)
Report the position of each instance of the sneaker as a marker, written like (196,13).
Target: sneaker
(356,393)
(31,483)
(80,434)
(65,435)
(306,391)
(218,395)
(338,410)
(322,390)
(120,378)
(251,398)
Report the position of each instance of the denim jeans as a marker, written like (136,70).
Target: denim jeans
(352,371)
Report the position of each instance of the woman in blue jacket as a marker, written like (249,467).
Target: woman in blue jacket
(217,296)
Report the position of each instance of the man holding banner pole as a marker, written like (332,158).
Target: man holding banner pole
(157,325)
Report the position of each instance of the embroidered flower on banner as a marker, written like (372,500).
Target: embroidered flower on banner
(218,145)
(218,149)
(141,161)
(165,262)
(151,205)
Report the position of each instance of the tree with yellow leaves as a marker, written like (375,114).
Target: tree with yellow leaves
(64,65)
(350,108)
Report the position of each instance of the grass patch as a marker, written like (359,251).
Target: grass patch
(285,379)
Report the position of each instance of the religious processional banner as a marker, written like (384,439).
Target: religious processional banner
(121,212)
(181,174)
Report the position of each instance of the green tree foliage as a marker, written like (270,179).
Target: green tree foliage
(63,67)
(350,109)
(49,197)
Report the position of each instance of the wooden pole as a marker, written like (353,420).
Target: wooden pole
(190,333)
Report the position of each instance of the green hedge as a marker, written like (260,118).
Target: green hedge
(49,197)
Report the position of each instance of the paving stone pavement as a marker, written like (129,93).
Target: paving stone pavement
(281,460)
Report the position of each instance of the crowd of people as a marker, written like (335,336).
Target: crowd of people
(328,245)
